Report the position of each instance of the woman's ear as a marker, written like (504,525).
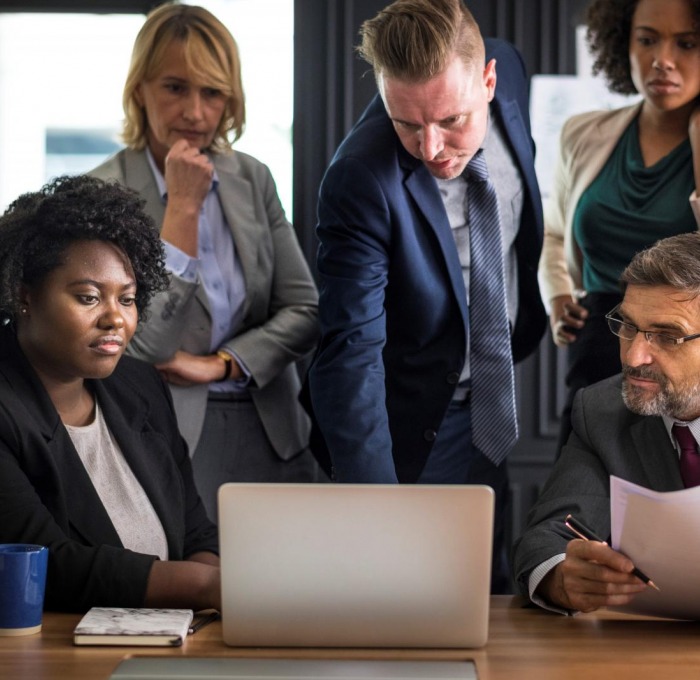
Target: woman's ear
(24,301)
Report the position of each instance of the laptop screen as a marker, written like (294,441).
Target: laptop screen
(323,565)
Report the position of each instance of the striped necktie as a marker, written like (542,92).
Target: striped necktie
(493,413)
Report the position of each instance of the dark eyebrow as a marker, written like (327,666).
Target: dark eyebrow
(403,122)
(656,327)
(683,34)
(452,116)
(92,282)
(449,119)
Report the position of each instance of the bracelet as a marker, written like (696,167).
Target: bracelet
(228,359)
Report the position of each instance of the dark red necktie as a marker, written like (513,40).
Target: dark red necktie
(690,460)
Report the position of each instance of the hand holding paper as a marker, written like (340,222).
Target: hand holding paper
(582,531)
(659,532)
(591,576)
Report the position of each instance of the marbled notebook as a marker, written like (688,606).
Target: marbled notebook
(125,626)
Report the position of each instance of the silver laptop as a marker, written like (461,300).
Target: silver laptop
(139,668)
(339,565)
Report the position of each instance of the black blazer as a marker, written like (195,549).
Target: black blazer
(46,496)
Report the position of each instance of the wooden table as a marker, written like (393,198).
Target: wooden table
(523,643)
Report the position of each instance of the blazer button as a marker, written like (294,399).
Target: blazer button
(429,435)
(452,378)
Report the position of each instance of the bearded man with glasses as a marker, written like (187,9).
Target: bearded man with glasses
(628,426)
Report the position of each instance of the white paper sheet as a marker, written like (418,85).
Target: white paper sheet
(660,533)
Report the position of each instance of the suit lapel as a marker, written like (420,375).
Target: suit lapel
(138,175)
(657,456)
(83,508)
(126,414)
(520,143)
(595,148)
(238,205)
(422,187)
(87,516)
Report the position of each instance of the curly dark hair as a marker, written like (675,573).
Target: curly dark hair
(609,23)
(38,227)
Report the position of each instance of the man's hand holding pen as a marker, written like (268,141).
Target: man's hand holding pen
(592,575)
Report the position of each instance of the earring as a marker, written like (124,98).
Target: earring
(23,310)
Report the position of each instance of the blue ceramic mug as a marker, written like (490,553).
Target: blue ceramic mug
(22,584)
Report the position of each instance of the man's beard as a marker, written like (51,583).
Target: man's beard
(683,404)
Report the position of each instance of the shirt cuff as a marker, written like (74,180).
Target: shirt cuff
(179,263)
(536,576)
(247,378)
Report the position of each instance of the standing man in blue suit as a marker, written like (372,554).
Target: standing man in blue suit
(391,385)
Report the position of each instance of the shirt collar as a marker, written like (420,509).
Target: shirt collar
(694,426)
(489,131)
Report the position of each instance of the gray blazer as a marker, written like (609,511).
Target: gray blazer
(279,322)
(607,439)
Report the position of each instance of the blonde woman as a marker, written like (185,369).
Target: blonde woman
(242,306)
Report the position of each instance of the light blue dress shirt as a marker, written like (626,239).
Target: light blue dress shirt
(217,266)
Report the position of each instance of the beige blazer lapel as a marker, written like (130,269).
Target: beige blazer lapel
(593,150)
(590,148)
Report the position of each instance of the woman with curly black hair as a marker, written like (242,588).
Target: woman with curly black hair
(625,178)
(91,462)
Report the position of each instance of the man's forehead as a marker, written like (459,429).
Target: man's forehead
(660,304)
(448,94)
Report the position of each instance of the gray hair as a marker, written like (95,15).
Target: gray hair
(673,261)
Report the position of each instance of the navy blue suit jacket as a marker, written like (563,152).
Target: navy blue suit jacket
(392,307)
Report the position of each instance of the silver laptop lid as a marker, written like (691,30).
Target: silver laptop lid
(326,565)
(291,669)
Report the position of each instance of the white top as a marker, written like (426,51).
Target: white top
(122,495)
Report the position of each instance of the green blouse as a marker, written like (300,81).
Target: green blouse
(628,207)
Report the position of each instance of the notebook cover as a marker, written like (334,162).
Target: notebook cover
(126,626)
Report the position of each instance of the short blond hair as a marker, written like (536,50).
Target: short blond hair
(415,40)
(212,59)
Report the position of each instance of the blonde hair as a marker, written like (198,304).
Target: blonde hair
(212,59)
(415,40)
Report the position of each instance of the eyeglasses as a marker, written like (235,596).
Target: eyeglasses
(628,331)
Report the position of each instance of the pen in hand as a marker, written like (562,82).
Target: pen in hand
(203,621)
(582,531)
